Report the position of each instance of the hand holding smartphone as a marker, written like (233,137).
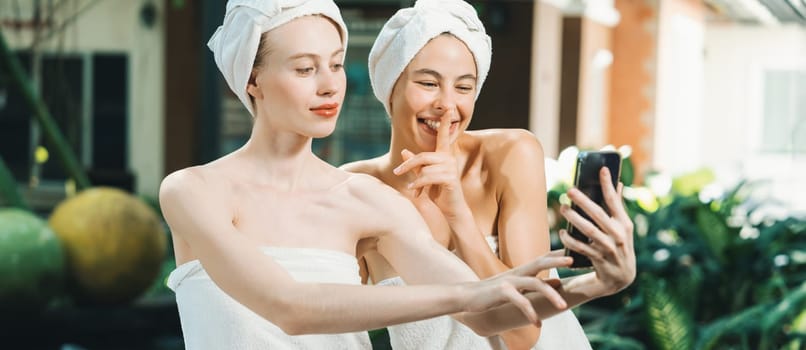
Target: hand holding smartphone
(586,180)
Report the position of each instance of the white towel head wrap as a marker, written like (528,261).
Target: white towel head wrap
(402,37)
(235,43)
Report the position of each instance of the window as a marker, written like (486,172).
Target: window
(784,107)
(86,95)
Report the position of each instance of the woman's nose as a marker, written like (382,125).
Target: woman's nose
(328,83)
(445,101)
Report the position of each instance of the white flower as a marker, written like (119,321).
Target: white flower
(749,232)
(552,169)
(661,254)
(660,184)
(711,192)
(781,260)
(668,237)
(641,225)
(567,162)
(625,151)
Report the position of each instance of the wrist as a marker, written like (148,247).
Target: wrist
(460,297)
(459,215)
(608,287)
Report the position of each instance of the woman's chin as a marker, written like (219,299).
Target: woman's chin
(321,133)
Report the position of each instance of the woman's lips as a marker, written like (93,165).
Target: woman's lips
(326,110)
(431,131)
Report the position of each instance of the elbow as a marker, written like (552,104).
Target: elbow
(291,325)
(285,314)
(477,327)
(483,332)
(294,328)
(522,338)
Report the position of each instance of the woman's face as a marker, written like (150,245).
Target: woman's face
(440,79)
(300,84)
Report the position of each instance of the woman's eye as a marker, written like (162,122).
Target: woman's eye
(306,70)
(427,83)
(337,67)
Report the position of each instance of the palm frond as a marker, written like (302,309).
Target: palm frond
(669,324)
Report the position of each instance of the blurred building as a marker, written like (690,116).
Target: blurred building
(686,83)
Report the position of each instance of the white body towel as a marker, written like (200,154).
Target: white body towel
(561,332)
(211,319)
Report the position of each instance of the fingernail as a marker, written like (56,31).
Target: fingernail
(410,185)
(396,171)
(605,171)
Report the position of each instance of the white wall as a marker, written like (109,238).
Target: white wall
(115,26)
(680,83)
(544,105)
(736,57)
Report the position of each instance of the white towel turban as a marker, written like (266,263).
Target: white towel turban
(235,43)
(402,37)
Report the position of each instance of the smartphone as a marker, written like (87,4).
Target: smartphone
(586,180)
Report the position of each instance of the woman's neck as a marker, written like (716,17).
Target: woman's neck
(283,160)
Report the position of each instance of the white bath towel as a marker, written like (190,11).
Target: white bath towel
(411,28)
(211,319)
(560,332)
(235,43)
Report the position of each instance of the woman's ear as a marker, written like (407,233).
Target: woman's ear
(252,88)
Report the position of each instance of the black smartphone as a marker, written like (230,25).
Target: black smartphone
(586,180)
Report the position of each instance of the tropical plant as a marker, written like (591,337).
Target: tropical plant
(716,269)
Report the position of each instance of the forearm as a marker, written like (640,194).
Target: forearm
(259,283)
(574,290)
(472,247)
(333,308)
(474,250)
(486,264)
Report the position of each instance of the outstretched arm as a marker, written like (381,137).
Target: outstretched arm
(237,266)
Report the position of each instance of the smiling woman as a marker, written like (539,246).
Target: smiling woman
(482,193)
(266,237)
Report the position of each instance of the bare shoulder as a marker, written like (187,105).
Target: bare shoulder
(508,145)
(370,189)
(378,202)
(367,166)
(178,183)
(192,189)
(183,182)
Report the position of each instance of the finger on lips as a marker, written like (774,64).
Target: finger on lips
(444,132)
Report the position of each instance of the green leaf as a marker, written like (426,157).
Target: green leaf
(691,183)
(669,324)
(627,172)
(713,230)
(793,301)
(613,341)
